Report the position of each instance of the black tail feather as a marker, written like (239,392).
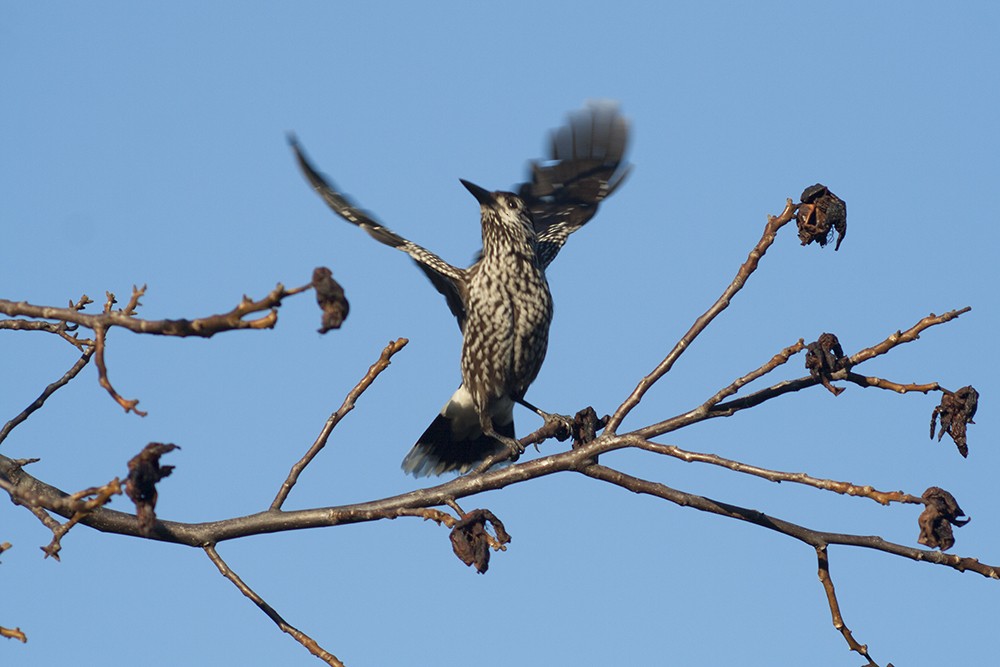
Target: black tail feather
(439,450)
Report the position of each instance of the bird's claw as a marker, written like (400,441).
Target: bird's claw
(560,426)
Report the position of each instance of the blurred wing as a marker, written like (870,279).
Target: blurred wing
(447,279)
(586,164)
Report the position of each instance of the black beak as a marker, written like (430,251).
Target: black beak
(483,196)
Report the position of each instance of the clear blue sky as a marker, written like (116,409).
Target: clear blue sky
(146,144)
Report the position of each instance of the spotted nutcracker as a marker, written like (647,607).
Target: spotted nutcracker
(502,302)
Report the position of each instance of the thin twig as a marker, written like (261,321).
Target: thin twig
(373,372)
(13,633)
(74,503)
(910,335)
(843,488)
(747,268)
(728,408)
(308,642)
(48,391)
(814,538)
(100,336)
(125,317)
(866,381)
(203,327)
(831,598)
(737,384)
(33,503)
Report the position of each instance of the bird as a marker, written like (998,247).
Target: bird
(502,301)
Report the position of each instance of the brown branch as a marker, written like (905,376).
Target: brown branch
(133,302)
(19,496)
(747,268)
(48,391)
(13,633)
(373,372)
(203,327)
(580,460)
(814,538)
(308,642)
(910,335)
(729,408)
(831,598)
(61,329)
(33,325)
(737,384)
(70,505)
(125,317)
(843,488)
(102,374)
(866,381)
(81,508)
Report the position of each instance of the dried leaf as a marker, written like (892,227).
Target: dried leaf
(331,299)
(471,542)
(820,214)
(824,357)
(942,512)
(586,425)
(144,471)
(956,411)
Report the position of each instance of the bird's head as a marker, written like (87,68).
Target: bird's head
(503,212)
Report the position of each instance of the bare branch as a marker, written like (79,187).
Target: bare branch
(831,598)
(844,488)
(739,383)
(13,633)
(28,500)
(866,381)
(814,538)
(125,317)
(748,267)
(373,372)
(580,460)
(754,399)
(102,374)
(48,391)
(286,627)
(910,335)
(101,496)
(58,328)
(204,327)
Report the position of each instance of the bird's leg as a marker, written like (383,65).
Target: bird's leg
(561,424)
(513,444)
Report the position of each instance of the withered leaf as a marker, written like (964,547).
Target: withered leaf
(941,513)
(820,214)
(824,357)
(471,542)
(956,411)
(144,471)
(331,299)
(586,425)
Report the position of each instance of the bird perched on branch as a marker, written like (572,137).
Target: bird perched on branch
(502,302)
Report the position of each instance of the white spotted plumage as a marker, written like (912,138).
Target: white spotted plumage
(502,302)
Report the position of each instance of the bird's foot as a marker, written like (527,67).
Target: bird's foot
(514,445)
(513,453)
(559,426)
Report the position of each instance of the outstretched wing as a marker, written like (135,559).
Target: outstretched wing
(447,279)
(586,164)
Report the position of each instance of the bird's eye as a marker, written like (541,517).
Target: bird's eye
(511,203)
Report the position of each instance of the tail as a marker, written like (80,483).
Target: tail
(454,442)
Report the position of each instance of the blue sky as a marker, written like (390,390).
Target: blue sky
(145,143)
